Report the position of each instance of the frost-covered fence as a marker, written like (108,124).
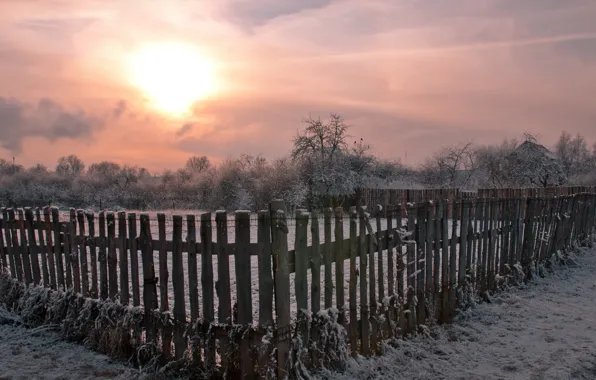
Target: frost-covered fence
(289,293)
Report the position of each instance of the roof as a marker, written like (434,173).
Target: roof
(531,147)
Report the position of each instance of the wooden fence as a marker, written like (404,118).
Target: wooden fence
(386,197)
(377,276)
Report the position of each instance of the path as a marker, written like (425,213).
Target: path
(544,331)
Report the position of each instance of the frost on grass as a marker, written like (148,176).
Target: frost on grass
(327,348)
(39,353)
(103,326)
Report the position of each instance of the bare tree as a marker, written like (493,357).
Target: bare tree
(71,166)
(452,167)
(197,164)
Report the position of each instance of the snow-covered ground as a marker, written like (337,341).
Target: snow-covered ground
(545,330)
(42,354)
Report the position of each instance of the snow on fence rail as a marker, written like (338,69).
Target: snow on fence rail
(225,294)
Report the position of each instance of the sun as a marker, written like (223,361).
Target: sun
(173,76)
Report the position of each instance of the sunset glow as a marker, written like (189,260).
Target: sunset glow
(172,76)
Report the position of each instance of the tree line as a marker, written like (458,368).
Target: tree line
(325,167)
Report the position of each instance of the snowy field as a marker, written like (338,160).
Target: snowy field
(543,331)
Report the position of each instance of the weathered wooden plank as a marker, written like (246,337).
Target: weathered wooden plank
(149,280)
(430,235)
(82,249)
(134,259)
(206,231)
(300,282)
(65,231)
(112,258)
(123,257)
(353,305)
(57,251)
(73,253)
(33,247)
(45,242)
(411,247)
(391,240)
(339,256)
(363,253)
(328,258)
(381,235)
(164,274)
(445,260)
(3,253)
(193,282)
(486,233)
(421,229)
(456,206)
(10,249)
(92,254)
(178,287)
(243,288)
(315,264)
(266,284)
(282,291)
(463,245)
(222,285)
(24,248)
(103,257)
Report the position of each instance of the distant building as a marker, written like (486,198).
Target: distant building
(535,165)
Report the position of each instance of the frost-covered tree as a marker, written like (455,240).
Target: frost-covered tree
(70,166)
(575,156)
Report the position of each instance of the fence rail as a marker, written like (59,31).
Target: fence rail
(377,275)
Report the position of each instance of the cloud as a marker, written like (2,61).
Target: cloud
(185,129)
(408,75)
(46,119)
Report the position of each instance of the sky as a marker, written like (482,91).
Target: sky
(409,76)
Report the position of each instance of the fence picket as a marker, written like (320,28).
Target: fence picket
(363,254)
(206,231)
(112,258)
(149,280)
(123,258)
(328,258)
(282,290)
(193,282)
(315,264)
(134,259)
(178,287)
(338,253)
(92,253)
(222,286)
(33,247)
(82,249)
(353,332)
(243,289)
(102,258)
(23,247)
